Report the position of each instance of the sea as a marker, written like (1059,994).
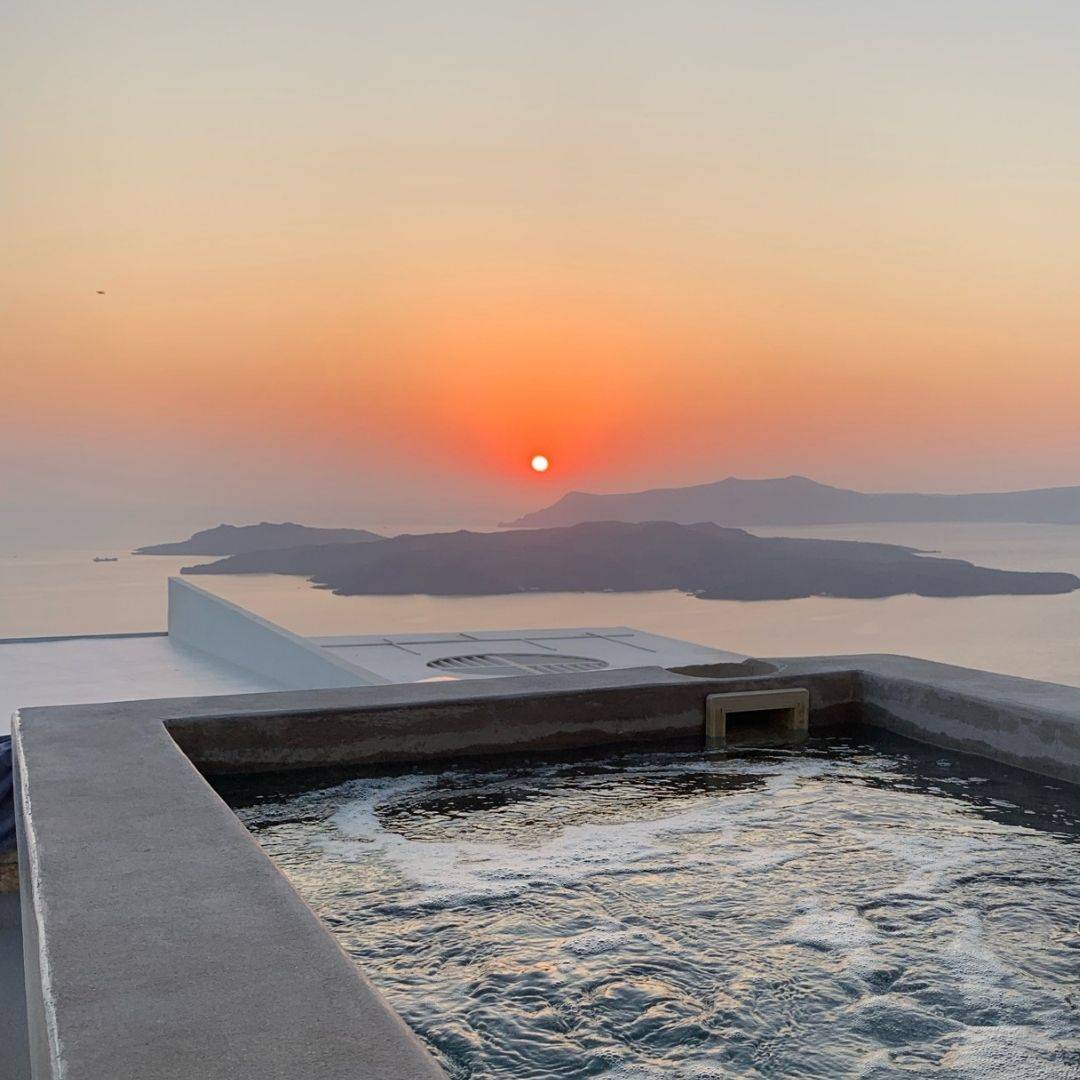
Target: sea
(66,593)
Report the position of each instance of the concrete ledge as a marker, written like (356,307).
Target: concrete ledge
(162,944)
(160,941)
(1021,722)
(434,721)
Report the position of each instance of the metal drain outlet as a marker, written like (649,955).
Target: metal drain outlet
(492,664)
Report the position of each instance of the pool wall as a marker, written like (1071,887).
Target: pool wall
(161,942)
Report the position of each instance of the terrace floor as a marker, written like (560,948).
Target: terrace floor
(120,667)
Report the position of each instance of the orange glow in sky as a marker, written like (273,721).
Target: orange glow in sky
(368,277)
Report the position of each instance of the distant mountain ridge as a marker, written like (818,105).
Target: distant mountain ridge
(797,500)
(266,536)
(703,559)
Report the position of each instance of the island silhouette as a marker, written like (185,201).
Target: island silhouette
(703,559)
(266,536)
(797,500)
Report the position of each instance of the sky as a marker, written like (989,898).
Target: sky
(360,261)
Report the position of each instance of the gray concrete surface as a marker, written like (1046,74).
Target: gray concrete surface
(434,721)
(1022,722)
(161,943)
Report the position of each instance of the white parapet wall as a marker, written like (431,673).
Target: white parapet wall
(200,620)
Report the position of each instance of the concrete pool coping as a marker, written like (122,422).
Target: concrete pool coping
(160,941)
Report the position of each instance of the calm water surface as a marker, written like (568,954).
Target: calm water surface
(860,909)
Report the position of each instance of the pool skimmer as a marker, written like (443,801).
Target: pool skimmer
(757,717)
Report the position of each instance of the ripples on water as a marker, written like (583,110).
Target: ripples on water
(859,909)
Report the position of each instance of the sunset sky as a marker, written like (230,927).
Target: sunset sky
(361,261)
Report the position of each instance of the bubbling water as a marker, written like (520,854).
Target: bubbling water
(859,909)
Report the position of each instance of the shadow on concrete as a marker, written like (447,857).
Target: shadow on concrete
(14,1056)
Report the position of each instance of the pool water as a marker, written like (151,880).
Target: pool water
(864,907)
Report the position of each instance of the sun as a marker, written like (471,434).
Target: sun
(540,463)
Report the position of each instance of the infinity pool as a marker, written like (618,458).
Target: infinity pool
(864,907)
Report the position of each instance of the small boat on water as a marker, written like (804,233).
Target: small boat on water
(106,558)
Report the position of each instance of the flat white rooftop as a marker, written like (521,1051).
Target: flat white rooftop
(80,670)
(488,654)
